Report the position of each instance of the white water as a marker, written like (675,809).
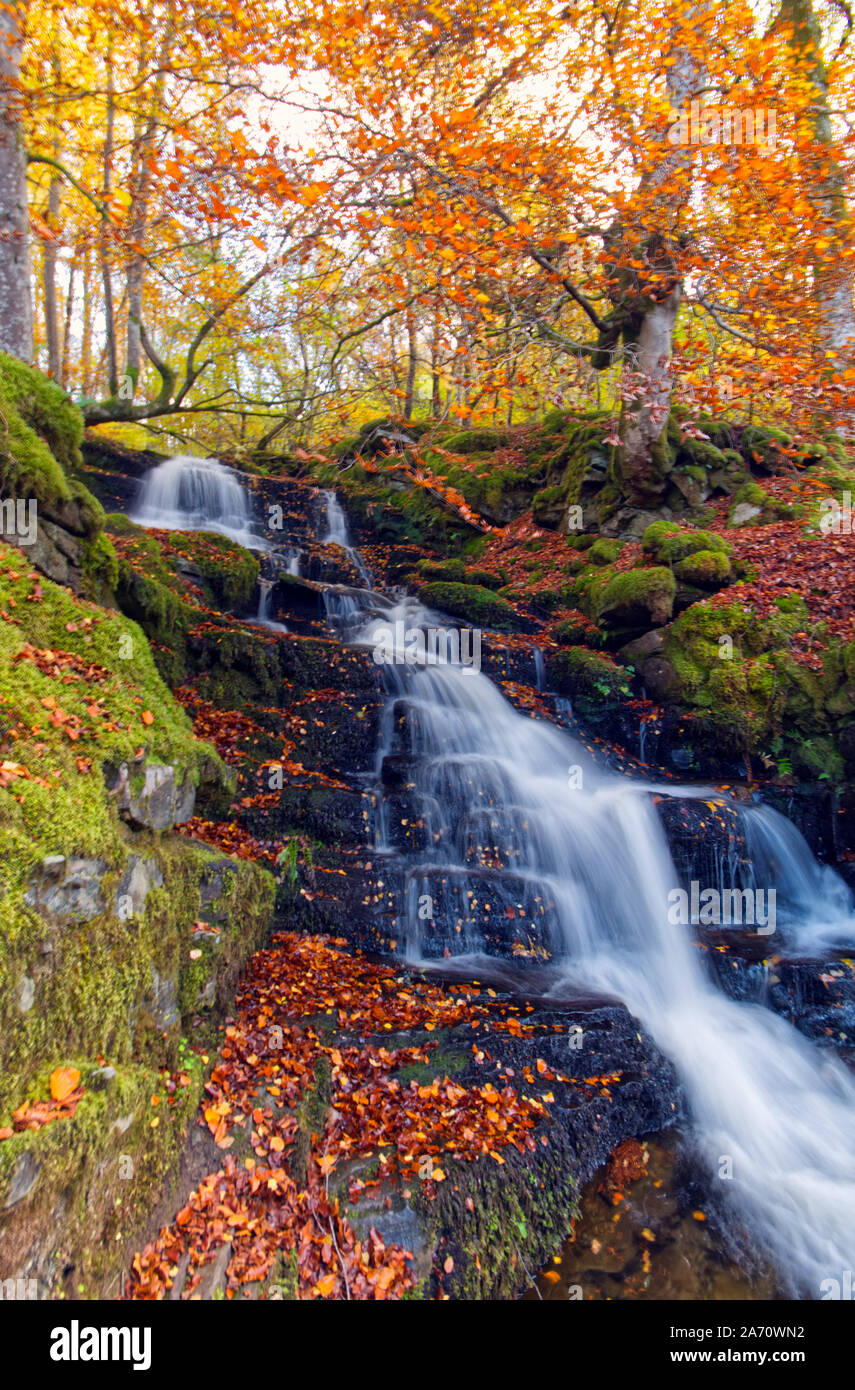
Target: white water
(492,784)
(262,617)
(198,494)
(337,533)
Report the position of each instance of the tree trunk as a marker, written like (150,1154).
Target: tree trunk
(104,247)
(412,363)
(16,308)
(144,141)
(86,383)
(648,331)
(49,278)
(833,274)
(65,366)
(52,221)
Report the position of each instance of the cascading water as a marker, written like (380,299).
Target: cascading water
(337,533)
(585,858)
(198,494)
(262,617)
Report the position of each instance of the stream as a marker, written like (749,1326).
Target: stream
(529,849)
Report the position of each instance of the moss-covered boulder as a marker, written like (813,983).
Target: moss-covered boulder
(708,569)
(667,543)
(637,598)
(476,441)
(753,506)
(604,551)
(48,512)
(577,631)
(767,448)
(477,606)
(584,675)
(452,571)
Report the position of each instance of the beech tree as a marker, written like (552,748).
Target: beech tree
(16,318)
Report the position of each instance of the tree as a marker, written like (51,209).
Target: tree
(16,315)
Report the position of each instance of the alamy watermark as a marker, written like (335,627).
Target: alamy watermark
(728,907)
(398,645)
(705,124)
(19,520)
(836,519)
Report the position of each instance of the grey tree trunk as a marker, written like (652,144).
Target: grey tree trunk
(16,306)
(834,276)
(412,363)
(49,279)
(649,333)
(144,143)
(49,253)
(104,247)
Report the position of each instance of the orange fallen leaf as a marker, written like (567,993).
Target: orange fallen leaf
(63,1081)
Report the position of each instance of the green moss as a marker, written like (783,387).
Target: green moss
(452,570)
(577,630)
(100,566)
(703,454)
(477,605)
(604,552)
(485,578)
(229,571)
(766,446)
(770,509)
(709,569)
(586,675)
(476,441)
(635,595)
(42,435)
(549,504)
(669,543)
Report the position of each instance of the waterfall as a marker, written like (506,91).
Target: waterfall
(198,494)
(521,823)
(338,533)
(264,588)
(262,617)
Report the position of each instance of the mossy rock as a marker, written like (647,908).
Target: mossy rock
(708,569)
(752,506)
(478,606)
(604,552)
(229,572)
(549,505)
(702,454)
(669,543)
(577,631)
(485,579)
(476,441)
(452,571)
(584,675)
(767,448)
(637,598)
(42,436)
